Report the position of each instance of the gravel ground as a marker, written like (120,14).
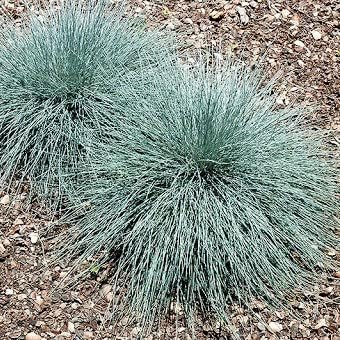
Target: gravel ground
(300,39)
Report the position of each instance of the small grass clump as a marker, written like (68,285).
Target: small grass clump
(205,193)
(54,88)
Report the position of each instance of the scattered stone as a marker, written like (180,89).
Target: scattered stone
(285,13)
(34,238)
(5,200)
(70,327)
(261,326)
(32,336)
(301,63)
(66,334)
(254,4)
(321,323)
(75,305)
(327,290)
(295,20)
(57,312)
(105,290)
(316,35)
(2,248)
(88,335)
(6,242)
(39,300)
(22,297)
(299,43)
(171,26)
(18,221)
(9,291)
(243,15)
(337,275)
(331,252)
(217,15)
(109,296)
(275,327)
(63,274)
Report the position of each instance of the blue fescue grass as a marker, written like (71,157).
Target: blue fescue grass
(209,194)
(54,76)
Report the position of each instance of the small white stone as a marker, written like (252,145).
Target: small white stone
(171,26)
(70,327)
(105,290)
(316,35)
(261,326)
(34,238)
(5,200)
(299,43)
(18,221)
(88,335)
(75,305)
(6,242)
(301,63)
(9,291)
(331,252)
(285,13)
(32,336)
(275,327)
(66,334)
(22,297)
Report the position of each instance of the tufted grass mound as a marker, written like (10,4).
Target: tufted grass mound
(54,87)
(206,194)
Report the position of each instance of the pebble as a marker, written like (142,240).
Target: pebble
(66,334)
(299,43)
(105,290)
(22,297)
(5,200)
(316,35)
(243,15)
(285,13)
(6,242)
(70,327)
(275,327)
(32,336)
(321,323)
(18,221)
(261,326)
(75,305)
(9,291)
(88,335)
(170,26)
(34,238)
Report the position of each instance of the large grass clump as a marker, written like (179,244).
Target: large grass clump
(205,194)
(54,88)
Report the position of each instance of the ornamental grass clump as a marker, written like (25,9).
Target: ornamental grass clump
(54,88)
(205,193)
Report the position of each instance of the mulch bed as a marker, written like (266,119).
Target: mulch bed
(300,39)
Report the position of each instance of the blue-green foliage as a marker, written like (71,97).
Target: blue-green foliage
(208,194)
(54,87)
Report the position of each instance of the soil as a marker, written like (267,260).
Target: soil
(299,39)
